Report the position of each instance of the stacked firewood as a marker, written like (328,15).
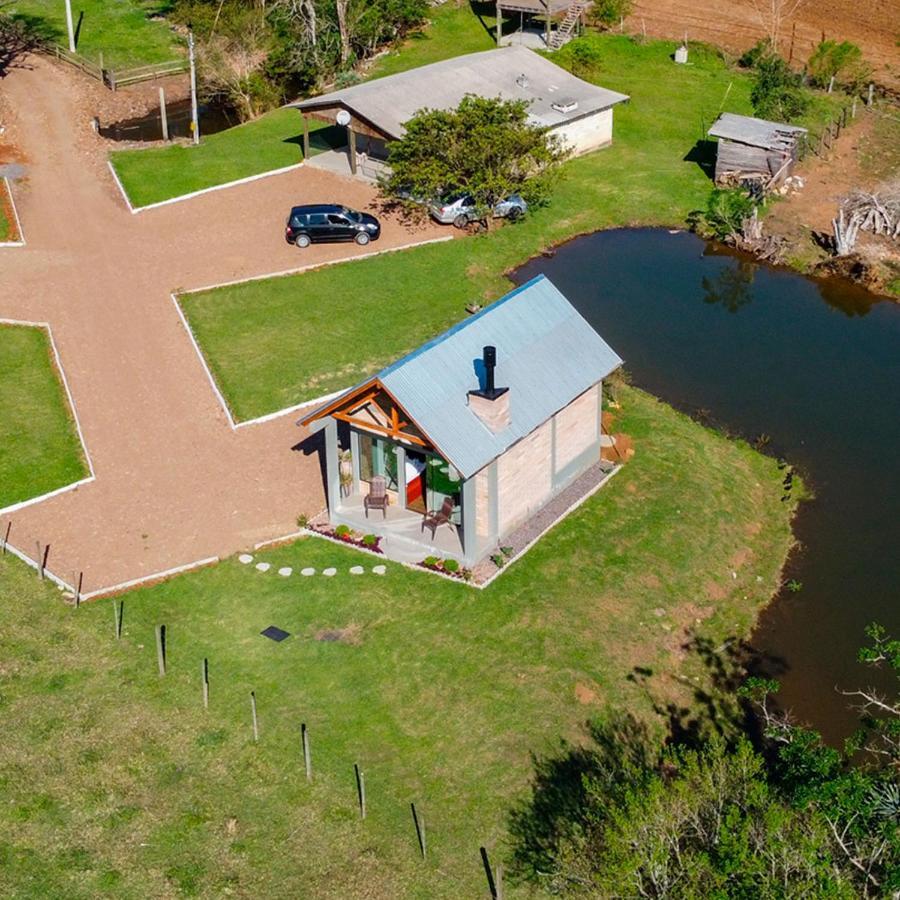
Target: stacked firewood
(877,212)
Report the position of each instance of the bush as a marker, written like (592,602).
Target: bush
(302,520)
(431,562)
(758,52)
(841,61)
(370,540)
(342,530)
(499,560)
(451,566)
(606,13)
(724,215)
(776,92)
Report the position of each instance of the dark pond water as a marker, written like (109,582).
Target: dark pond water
(813,364)
(178,114)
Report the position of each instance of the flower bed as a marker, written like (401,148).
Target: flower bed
(449,567)
(344,534)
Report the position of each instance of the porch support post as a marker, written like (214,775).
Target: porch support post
(305,137)
(599,410)
(469,532)
(400,450)
(499,23)
(547,27)
(354,460)
(351,141)
(332,467)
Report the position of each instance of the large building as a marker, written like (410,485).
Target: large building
(374,112)
(490,421)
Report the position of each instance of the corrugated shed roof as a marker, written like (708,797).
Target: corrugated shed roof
(756,132)
(387,103)
(547,355)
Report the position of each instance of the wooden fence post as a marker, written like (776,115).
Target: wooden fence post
(489,873)
(871,94)
(161,648)
(78,589)
(253,714)
(204,672)
(420,829)
(853,109)
(44,560)
(360,789)
(6,536)
(307,760)
(118,609)
(163,118)
(498,881)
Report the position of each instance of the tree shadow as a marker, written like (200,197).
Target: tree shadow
(20,35)
(703,153)
(482,10)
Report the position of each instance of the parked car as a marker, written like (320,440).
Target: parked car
(460,209)
(329,222)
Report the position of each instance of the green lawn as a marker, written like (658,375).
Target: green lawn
(274,343)
(116,783)
(271,142)
(7,229)
(121,30)
(39,446)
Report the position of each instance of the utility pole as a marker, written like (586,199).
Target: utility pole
(195,121)
(70,26)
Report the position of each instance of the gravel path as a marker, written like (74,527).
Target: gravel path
(174,483)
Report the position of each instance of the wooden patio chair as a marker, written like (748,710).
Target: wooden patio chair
(435,518)
(377,497)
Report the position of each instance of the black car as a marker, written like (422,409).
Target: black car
(329,222)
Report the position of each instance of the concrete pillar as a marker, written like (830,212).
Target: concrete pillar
(332,467)
(469,533)
(499,24)
(305,136)
(354,460)
(351,140)
(400,450)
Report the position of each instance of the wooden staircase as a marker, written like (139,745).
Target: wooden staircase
(566,30)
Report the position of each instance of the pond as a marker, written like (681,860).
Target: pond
(814,365)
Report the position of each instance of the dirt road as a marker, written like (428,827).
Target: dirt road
(174,482)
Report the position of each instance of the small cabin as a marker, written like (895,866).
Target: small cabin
(482,427)
(755,149)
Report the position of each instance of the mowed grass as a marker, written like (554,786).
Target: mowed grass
(116,782)
(271,142)
(121,30)
(39,446)
(272,344)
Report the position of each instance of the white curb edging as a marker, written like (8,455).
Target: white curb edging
(216,187)
(74,410)
(12,203)
(144,579)
(34,565)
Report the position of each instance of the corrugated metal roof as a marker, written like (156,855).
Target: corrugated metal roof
(756,132)
(387,103)
(547,355)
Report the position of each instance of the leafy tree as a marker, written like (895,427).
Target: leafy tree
(485,147)
(842,61)
(725,213)
(606,13)
(776,92)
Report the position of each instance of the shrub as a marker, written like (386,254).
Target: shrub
(776,91)
(499,560)
(370,540)
(431,562)
(606,13)
(302,520)
(507,551)
(724,215)
(343,531)
(758,52)
(451,566)
(841,61)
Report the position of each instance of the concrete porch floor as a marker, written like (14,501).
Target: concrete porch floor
(401,530)
(338,162)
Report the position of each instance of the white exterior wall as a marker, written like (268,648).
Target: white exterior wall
(588,133)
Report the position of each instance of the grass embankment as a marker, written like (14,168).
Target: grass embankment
(121,30)
(270,142)
(276,343)
(117,783)
(39,446)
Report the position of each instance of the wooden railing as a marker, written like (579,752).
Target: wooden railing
(116,78)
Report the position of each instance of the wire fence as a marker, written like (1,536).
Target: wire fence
(116,78)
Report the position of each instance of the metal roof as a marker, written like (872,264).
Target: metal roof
(756,132)
(513,73)
(547,355)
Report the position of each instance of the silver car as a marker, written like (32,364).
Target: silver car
(460,209)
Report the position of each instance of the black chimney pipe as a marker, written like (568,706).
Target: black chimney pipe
(489,356)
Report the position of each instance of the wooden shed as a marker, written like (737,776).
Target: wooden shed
(489,422)
(755,148)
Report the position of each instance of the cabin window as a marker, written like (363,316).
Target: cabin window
(377,457)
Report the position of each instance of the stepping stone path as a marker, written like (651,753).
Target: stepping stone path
(379,570)
(357,570)
(245,558)
(263,567)
(285,571)
(307,572)
(329,572)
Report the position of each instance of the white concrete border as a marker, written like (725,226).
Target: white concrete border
(74,410)
(34,565)
(12,202)
(144,579)
(216,187)
(315,401)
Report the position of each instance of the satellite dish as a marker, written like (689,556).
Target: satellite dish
(343,117)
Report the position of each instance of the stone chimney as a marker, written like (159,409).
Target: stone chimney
(491,404)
